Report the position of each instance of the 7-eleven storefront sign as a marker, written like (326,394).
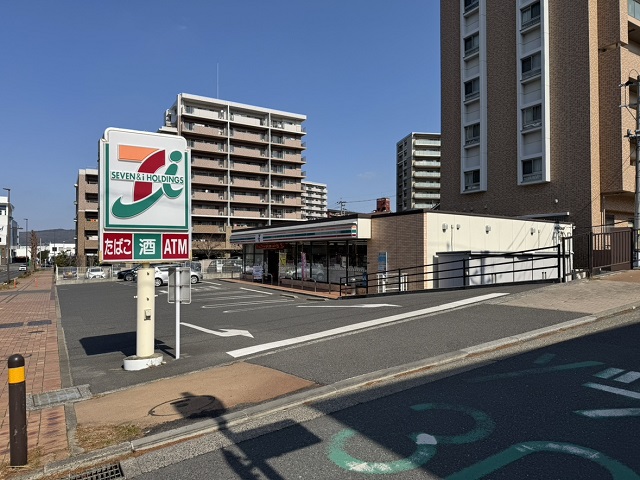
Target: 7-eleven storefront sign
(144,197)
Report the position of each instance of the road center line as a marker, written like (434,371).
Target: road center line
(242,352)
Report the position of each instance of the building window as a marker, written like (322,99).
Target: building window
(532,117)
(472,134)
(530,15)
(531,65)
(532,170)
(471,180)
(634,9)
(472,89)
(470,5)
(471,44)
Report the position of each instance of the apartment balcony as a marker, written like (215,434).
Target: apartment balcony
(287,172)
(423,196)
(248,152)
(89,244)
(208,163)
(288,127)
(426,153)
(294,143)
(250,137)
(249,213)
(249,168)
(209,211)
(208,229)
(247,120)
(529,24)
(207,146)
(248,183)
(208,180)
(87,225)
(426,174)
(204,130)
(91,188)
(249,199)
(202,112)
(292,202)
(531,74)
(208,196)
(428,163)
(429,186)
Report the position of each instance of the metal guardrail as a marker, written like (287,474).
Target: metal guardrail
(468,269)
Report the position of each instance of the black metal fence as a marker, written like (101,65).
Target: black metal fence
(468,269)
(594,253)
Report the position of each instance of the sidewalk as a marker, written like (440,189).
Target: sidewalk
(30,325)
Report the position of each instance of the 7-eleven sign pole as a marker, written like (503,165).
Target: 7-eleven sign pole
(145,217)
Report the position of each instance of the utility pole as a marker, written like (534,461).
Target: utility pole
(636,135)
(8,233)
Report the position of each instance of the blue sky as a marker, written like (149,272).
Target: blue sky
(364,72)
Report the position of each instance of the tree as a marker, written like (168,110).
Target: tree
(34,249)
(208,246)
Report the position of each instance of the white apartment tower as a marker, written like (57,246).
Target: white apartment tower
(314,200)
(418,171)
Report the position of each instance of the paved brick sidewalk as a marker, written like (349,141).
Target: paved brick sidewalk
(29,327)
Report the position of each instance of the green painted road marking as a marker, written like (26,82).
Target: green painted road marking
(425,443)
(514,453)
(425,450)
(484,425)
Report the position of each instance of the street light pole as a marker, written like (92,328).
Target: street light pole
(26,244)
(8,231)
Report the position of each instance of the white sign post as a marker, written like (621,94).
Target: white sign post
(145,216)
(179,292)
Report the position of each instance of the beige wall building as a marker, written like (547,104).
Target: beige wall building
(87,217)
(246,165)
(418,171)
(531,116)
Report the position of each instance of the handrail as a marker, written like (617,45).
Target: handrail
(540,264)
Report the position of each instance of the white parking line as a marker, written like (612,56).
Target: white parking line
(243,352)
(257,291)
(246,303)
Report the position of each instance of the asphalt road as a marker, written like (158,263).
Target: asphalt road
(322,341)
(559,411)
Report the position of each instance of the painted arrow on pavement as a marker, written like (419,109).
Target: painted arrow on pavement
(224,332)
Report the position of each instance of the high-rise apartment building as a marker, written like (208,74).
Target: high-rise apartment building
(314,200)
(246,164)
(87,217)
(532,123)
(418,171)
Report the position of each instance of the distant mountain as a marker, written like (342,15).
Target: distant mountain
(57,235)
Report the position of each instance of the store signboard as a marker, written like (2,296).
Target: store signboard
(144,197)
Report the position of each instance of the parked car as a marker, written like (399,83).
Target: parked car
(161,274)
(69,273)
(129,274)
(316,272)
(95,272)
(22,268)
